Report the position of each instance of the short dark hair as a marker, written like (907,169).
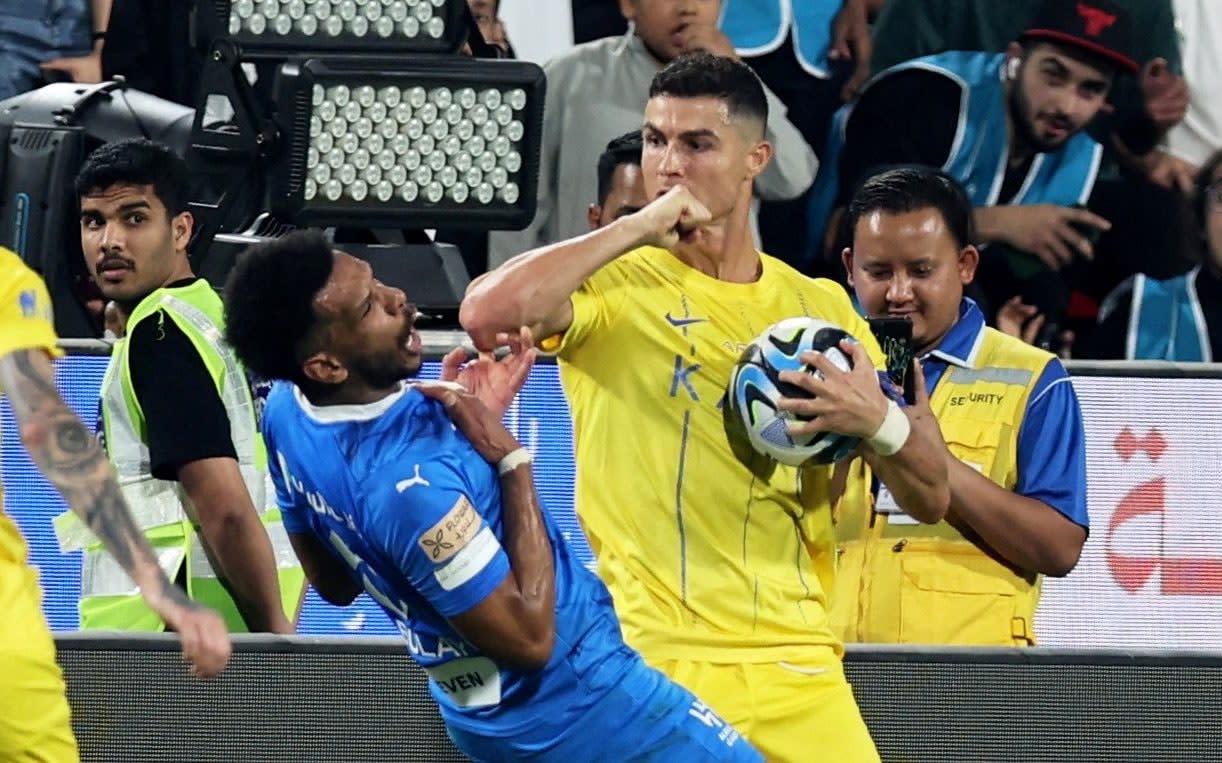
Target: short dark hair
(703,75)
(626,149)
(912,188)
(269,302)
(137,161)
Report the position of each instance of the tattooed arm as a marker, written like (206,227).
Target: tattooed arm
(73,461)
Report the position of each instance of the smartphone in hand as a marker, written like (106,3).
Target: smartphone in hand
(894,335)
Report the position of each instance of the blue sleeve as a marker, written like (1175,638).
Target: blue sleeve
(428,527)
(293,513)
(1052,446)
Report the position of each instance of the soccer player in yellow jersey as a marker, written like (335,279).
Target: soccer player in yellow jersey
(34,715)
(720,578)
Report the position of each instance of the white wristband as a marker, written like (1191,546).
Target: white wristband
(513,460)
(893,433)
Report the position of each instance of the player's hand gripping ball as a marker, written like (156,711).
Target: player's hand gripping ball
(751,413)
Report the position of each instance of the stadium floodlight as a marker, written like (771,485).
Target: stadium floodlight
(281,28)
(433,142)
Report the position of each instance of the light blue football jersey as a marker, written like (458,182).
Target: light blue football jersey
(402,496)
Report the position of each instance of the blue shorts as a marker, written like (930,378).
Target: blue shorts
(647,717)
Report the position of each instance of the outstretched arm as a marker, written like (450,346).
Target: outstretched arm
(535,289)
(72,460)
(515,624)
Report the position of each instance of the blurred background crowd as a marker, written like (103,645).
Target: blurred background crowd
(1095,183)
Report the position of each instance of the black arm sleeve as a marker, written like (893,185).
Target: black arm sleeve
(909,117)
(183,412)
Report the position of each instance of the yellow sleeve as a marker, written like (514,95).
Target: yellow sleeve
(595,307)
(840,311)
(26,322)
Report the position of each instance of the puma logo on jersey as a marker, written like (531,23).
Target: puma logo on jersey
(402,485)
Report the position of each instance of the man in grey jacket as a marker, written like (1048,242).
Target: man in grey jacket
(598,90)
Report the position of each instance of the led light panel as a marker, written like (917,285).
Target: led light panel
(281,27)
(450,141)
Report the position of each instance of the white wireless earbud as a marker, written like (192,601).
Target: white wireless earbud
(1012,69)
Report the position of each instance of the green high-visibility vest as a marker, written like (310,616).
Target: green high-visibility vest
(109,599)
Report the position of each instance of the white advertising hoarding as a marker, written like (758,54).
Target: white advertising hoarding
(1150,576)
(1151,572)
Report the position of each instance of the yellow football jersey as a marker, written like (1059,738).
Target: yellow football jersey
(25,323)
(34,713)
(704,560)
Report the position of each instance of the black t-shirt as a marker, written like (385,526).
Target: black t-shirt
(908,117)
(183,412)
(1107,342)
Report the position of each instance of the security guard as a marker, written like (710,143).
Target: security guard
(1012,427)
(179,416)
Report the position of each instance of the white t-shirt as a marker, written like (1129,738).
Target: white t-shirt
(1199,23)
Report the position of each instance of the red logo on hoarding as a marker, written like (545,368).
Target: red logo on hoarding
(1128,445)
(1181,575)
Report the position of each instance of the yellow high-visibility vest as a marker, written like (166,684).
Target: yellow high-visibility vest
(900,581)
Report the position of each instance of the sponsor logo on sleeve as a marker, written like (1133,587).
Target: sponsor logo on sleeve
(468,562)
(452,532)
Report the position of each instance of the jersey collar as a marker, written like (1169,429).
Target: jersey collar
(333,414)
(961,344)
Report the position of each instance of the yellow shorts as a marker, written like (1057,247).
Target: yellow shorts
(792,713)
(35,721)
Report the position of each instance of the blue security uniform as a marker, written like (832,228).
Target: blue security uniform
(405,500)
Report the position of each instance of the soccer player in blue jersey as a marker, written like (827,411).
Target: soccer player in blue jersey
(418,495)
